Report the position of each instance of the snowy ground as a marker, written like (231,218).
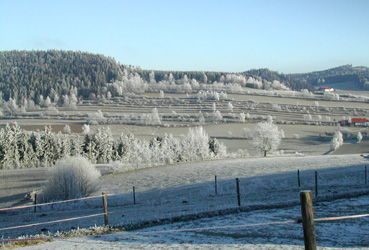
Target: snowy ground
(186,190)
(250,230)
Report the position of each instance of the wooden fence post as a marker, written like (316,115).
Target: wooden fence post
(298,178)
(216,185)
(316,184)
(105,204)
(308,219)
(134,195)
(238,192)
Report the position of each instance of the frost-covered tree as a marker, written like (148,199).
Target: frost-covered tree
(96,118)
(204,78)
(152,77)
(9,146)
(67,129)
(153,118)
(339,136)
(72,177)
(217,116)
(47,146)
(359,137)
(335,144)
(217,149)
(337,140)
(242,117)
(47,102)
(103,139)
(230,107)
(130,83)
(89,149)
(12,107)
(51,111)
(195,145)
(85,129)
(121,148)
(172,148)
(98,147)
(76,145)
(140,154)
(269,119)
(266,137)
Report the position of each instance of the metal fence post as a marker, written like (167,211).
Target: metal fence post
(134,195)
(216,185)
(316,184)
(238,191)
(298,178)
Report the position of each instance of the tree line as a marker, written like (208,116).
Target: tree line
(25,149)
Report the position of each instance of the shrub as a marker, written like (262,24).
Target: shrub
(337,140)
(70,178)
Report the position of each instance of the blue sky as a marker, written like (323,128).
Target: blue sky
(233,36)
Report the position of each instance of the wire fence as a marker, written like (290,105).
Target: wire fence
(217,195)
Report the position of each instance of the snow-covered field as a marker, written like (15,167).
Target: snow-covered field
(263,229)
(186,191)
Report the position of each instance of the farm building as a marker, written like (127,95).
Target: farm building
(358,122)
(322,90)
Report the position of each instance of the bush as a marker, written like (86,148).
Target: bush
(337,140)
(70,178)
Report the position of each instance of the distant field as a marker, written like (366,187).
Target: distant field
(179,112)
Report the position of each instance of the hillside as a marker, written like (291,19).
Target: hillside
(29,74)
(345,73)
(269,75)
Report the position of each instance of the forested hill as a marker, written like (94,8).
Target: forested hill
(29,74)
(34,74)
(293,83)
(345,73)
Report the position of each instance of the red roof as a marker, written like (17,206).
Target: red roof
(359,120)
(325,88)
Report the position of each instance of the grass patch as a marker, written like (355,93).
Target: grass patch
(24,243)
